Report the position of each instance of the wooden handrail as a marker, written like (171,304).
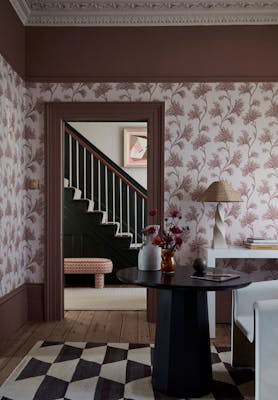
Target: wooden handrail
(71,131)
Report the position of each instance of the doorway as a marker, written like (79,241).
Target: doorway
(97,169)
(55,117)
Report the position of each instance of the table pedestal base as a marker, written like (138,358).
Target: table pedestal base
(181,361)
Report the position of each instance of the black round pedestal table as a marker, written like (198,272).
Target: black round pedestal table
(181,358)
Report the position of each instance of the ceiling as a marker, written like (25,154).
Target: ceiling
(145,12)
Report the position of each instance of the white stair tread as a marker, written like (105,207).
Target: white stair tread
(125,234)
(77,194)
(104,219)
(136,246)
(91,205)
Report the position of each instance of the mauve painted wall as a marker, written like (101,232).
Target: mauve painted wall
(206,53)
(12,38)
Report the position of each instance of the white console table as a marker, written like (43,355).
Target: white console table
(237,252)
(212,255)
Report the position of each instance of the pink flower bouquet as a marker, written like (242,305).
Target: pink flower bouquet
(172,236)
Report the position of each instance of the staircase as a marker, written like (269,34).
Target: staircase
(104,208)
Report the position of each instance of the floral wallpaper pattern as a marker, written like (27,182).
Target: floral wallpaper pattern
(212,131)
(13,250)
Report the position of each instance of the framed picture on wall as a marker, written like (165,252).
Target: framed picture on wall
(135,147)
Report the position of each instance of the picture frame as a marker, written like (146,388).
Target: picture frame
(135,147)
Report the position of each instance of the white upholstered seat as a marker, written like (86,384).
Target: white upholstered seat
(255,335)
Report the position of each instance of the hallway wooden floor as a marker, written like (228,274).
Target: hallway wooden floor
(90,326)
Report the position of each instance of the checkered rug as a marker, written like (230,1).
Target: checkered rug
(108,371)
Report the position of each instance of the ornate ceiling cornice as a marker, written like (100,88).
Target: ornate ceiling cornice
(145,12)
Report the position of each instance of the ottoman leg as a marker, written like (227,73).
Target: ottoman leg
(99,281)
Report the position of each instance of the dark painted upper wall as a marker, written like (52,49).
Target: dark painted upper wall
(210,53)
(12,38)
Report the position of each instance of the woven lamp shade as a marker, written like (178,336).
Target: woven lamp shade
(220,191)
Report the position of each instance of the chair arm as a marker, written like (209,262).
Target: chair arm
(244,299)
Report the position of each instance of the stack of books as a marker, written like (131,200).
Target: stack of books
(261,244)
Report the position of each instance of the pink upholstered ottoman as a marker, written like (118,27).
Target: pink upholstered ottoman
(96,266)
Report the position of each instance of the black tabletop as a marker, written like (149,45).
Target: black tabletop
(181,279)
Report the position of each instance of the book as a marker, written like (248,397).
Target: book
(261,241)
(261,246)
(266,243)
(216,276)
(260,238)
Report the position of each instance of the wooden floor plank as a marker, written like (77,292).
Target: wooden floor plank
(11,345)
(97,330)
(129,331)
(223,335)
(93,326)
(152,331)
(42,332)
(144,333)
(80,326)
(63,327)
(114,326)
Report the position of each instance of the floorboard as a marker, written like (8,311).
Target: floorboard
(93,326)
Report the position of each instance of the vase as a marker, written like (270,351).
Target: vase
(149,256)
(168,263)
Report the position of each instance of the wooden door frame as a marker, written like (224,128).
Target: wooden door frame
(55,116)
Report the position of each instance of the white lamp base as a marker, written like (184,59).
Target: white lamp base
(219,240)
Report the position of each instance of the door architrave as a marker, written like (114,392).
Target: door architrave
(55,116)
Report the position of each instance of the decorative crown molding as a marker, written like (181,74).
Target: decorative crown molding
(145,12)
(22,9)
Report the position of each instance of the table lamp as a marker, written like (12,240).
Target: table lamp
(220,191)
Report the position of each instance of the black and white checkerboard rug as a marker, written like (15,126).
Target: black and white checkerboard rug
(108,371)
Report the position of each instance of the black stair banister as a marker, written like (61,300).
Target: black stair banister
(105,183)
(106,160)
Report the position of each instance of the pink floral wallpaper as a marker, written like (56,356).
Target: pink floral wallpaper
(212,131)
(13,248)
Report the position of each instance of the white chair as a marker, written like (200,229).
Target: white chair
(255,335)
